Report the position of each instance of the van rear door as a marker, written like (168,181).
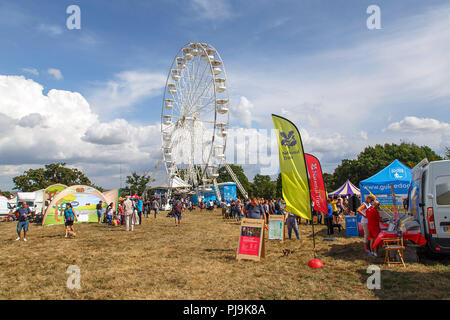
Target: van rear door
(442,205)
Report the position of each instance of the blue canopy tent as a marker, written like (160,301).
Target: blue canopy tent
(379,184)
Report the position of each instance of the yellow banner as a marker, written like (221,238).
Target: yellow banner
(294,175)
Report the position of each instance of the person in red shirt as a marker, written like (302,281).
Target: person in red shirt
(373,224)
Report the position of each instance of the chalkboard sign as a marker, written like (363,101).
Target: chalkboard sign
(251,239)
(276,227)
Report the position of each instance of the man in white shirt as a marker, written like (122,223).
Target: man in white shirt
(128,208)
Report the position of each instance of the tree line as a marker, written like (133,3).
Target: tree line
(367,163)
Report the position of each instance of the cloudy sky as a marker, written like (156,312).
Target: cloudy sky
(92,97)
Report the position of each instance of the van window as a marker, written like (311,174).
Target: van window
(443,190)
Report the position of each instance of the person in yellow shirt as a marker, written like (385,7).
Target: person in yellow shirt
(334,205)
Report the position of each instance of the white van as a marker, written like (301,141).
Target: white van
(5,206)
(34,200)
(429,203)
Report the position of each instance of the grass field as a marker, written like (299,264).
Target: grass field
(198,261)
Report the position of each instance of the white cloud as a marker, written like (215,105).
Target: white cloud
(36,129)
(243,113)
(216,10)
(53,30)
(55,73)
(415,124)
(127,88)
(31,70)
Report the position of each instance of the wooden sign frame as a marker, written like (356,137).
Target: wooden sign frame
(276,217)
(251,225)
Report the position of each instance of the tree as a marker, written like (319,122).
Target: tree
(447,153)
(373,159)
(41,178)
(136,184)
(224,176)
(6,194)
(263,187)
(328,180)
(279,187)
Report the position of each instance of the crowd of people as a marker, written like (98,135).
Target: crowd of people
(131,210)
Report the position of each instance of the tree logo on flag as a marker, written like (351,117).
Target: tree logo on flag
(288,140)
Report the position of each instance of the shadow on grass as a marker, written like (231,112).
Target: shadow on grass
(322,233)
(396,284)
(349,252)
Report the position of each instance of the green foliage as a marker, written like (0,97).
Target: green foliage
(135,184)
(374,159)
(6,194)
(41,178)
(447,153)
(263,187)
(328,180)
(224,176)
(279,187)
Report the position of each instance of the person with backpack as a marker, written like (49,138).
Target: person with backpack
(254,210)
(69,218)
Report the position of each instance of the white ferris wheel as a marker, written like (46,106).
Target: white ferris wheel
(195,117)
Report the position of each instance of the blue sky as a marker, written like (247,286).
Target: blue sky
(316,62)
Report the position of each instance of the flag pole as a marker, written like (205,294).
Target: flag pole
(314,238)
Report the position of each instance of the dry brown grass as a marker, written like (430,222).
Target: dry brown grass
(197,261)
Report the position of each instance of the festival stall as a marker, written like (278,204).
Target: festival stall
(390,186)
(83,199)
(347,188)
(396,175)
(228,193)
(50,192)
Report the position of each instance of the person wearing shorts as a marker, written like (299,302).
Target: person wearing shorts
(69,218)
(177,209)
(99,211)
(362,211)
(23,213)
